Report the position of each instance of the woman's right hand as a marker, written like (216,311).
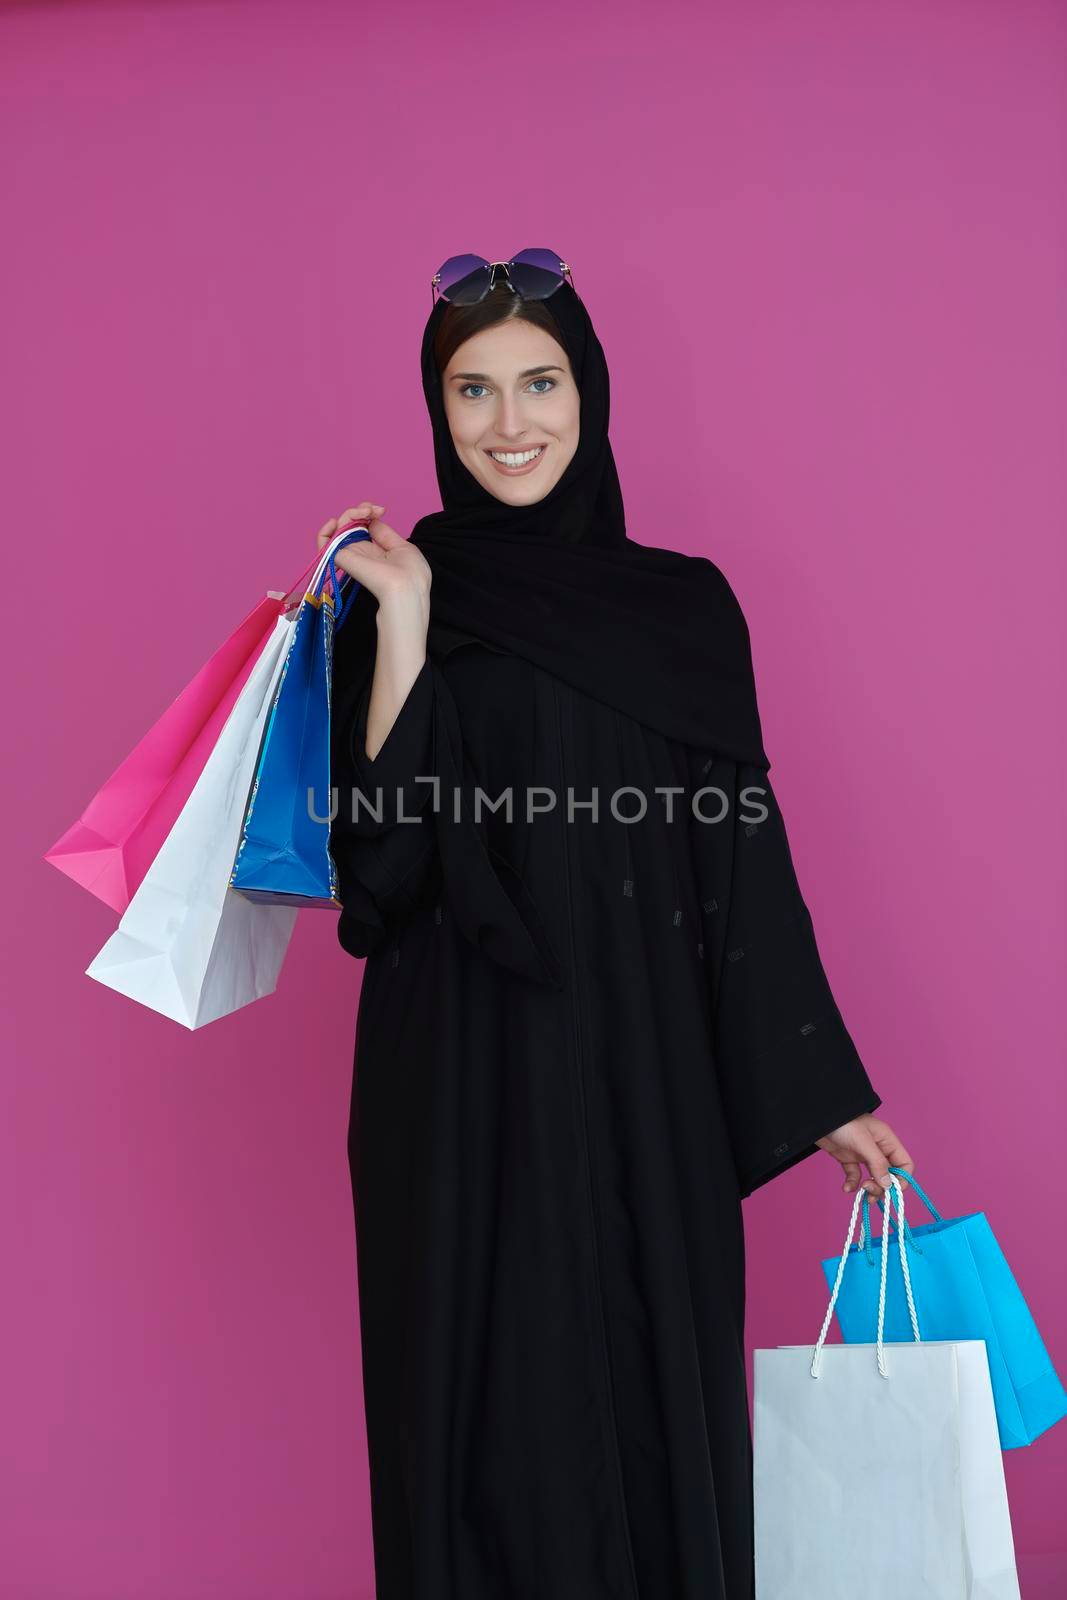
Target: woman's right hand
(392,568)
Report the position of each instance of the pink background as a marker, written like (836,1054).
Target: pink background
(824,247)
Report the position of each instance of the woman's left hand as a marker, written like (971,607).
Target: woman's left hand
(869,1140)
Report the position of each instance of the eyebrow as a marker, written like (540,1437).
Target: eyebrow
(483,377)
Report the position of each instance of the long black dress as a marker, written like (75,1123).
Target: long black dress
(547,1167)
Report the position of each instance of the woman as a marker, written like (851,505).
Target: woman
(582,1039)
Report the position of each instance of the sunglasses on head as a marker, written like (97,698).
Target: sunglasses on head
(533,274)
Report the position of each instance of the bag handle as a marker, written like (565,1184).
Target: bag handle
(865,1225)
(816,1357)
(354,535)
(296,591)
(323,563)
(315,570)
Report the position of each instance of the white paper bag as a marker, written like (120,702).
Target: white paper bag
(879,1464)
(188,945)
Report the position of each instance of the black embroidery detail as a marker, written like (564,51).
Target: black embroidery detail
(709,762)
(628,886)
(711,905)
(780,1149)
(753,827)
(735,955)
(677,918)
(809,1027)
(437,913)
(700,952)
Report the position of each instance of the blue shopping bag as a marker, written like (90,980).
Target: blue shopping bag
(283,855)
(964,1289)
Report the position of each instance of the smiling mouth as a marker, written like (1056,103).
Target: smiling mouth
(517,462)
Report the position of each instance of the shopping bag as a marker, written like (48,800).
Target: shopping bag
(188,946)
(108,849)
(283,857)
(967,1291)
(932,1517)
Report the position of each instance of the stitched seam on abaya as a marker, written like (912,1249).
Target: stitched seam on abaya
(676,919)
(729,900)
(591,1194)
(628,866)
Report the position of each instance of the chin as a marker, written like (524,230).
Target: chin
(514,491)
(517,494)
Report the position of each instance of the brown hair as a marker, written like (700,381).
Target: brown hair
(463,322)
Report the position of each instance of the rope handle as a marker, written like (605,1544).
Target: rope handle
(325,563)
(816,1358)
(866,1235)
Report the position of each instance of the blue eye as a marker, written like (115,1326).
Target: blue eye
(550,381)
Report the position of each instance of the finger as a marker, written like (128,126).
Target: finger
(361,513)
(326,532)
(893,1150)
(383,535)
(358,559)
(874,1158)
(852,1175)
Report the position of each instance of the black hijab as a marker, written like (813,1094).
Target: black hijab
(654,633)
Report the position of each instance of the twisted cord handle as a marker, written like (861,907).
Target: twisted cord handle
(865,1225)
(350,535)
(816,1358)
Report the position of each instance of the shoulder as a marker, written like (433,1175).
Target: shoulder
(707,580)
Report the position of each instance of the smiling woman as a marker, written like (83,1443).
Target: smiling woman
(512,404)
(585,1032)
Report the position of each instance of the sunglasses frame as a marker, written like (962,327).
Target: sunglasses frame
(564,270)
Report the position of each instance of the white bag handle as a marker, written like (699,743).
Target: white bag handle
(324,556)
(817,1351)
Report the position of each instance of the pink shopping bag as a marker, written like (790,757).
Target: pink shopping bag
(117,837)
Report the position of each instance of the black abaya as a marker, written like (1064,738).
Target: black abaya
(548,1164)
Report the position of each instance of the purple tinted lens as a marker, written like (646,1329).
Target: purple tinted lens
(536,273)
(463,279)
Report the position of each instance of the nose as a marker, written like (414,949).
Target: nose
(510,423)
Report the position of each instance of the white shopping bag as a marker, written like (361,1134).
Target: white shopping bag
(187,945)
(879,1464)
(190,946)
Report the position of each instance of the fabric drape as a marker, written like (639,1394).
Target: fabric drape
(581,1041)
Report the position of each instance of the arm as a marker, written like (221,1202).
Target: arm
(382,838)
(789,1073)
(402,621)
(381,737)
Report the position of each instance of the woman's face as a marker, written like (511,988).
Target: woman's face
(509,390)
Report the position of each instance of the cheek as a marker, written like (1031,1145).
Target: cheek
(560,421)
(570,423)
(461,426)
(467,430)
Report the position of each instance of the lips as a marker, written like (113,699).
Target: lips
(516,472)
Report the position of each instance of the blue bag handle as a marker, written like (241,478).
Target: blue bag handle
(889,1222)
(352,536)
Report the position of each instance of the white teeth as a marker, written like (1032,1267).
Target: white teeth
(511,459)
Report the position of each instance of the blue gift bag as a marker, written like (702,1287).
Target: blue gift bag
(964,1289)
(283,856)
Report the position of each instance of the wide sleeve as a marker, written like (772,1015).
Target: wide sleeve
(788,1069)
(382,838)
